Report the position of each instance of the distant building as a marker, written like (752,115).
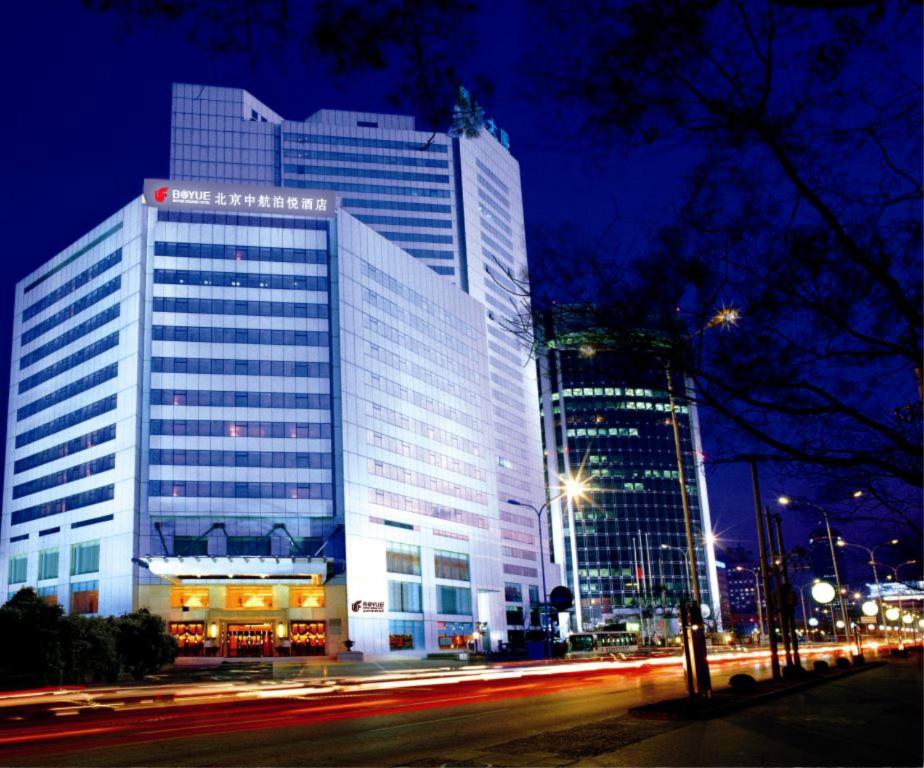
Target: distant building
(820,554)
(742,589)
(721,574)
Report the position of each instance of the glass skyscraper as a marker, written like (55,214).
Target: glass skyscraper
(623,547)
(274,423)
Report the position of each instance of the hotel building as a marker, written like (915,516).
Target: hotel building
(272,399)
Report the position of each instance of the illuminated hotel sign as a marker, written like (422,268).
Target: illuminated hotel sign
(238,198)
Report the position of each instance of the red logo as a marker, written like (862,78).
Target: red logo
(160,194)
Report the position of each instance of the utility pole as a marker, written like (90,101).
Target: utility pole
(764,572)
(787,602)
(699,681)
(776,559)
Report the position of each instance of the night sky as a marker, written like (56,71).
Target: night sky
(87,118)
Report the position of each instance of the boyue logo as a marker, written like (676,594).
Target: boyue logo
(160,194)
(356,606)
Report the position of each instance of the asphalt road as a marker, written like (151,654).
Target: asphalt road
(429,724)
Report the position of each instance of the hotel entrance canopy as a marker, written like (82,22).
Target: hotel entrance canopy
(205,569)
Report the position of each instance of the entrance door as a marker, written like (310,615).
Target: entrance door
(250,640)
(307,638)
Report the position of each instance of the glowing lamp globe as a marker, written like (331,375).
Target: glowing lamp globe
(870,608)
(823,592)
(892,614)
(840,624)
(907,618)
(706,611)
(813,622)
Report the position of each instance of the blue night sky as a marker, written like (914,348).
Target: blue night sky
(87,118)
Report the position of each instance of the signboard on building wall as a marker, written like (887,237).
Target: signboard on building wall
(237,198)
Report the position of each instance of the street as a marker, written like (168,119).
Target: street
(415,722)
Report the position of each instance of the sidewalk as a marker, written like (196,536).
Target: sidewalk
(873,718)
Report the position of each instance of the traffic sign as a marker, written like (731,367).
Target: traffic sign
(561,598)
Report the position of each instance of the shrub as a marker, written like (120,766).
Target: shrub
(741,683)
(143,644)
(842,662)
(90,653)
(821,666)
(30,641)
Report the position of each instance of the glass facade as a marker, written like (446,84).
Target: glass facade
(624,546)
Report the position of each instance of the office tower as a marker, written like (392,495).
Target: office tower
(623,548)
(820,554)
(236,403)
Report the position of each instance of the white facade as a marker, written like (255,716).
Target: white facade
(454,204)
(275,426)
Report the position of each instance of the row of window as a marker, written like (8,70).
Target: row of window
(374,189)
(221,489)
(240,280)
(264,459)
(608,392)
(69,475)
(606,432)
(425,253)
(491,175)
(58,506)
(73,257)
(241,220)
(359,157)
(493,192)
(232,399)
(241,335)
(103,265)
(65,364)
(407,597)
(513,593)
(441,270)
(68,391)
(194,428)
(240,252)
(353,141)
(405,559)
(72,334)
(84,559)
(496,207)
(418,237)
(234,367)
(366,173)
(63,422)
(403,221)
(196,306)
(395,205)
(68,448)
(88,300)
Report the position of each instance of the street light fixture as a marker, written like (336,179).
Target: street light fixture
(574,488)
(871,551)
(787,501)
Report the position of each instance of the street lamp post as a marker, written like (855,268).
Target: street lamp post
(895,569)
(699,681)
(786,501)
(802,602)
(573,489)
(760,613)
(871,551)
